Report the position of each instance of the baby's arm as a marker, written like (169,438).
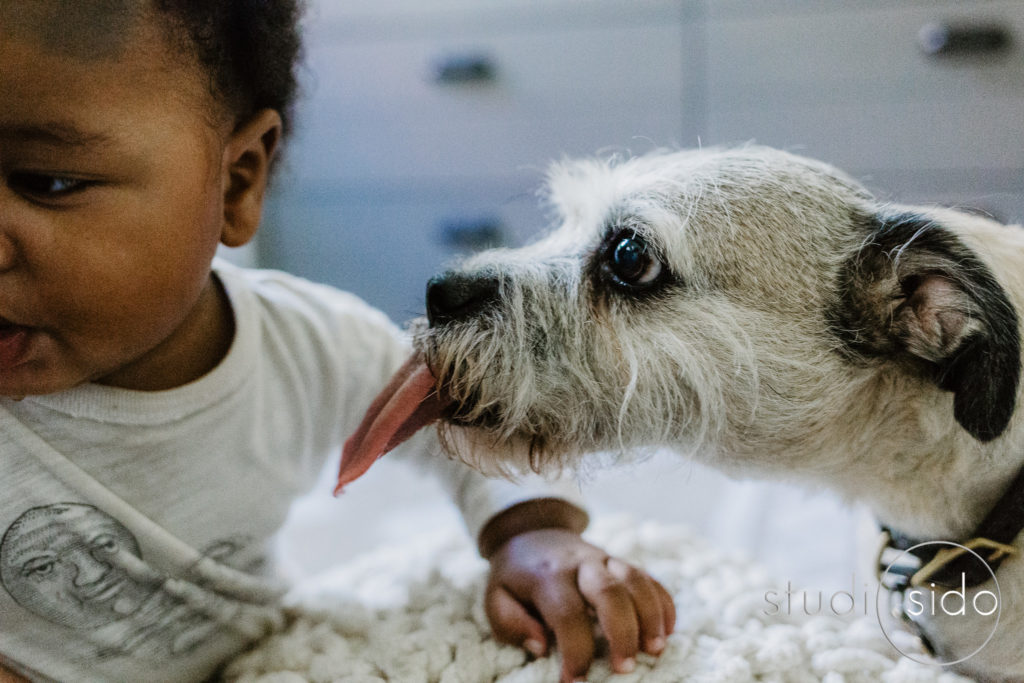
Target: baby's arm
(546,579)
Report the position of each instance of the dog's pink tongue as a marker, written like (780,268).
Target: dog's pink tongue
(408,403)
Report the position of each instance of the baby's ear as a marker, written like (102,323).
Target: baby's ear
(915,294)
(246,169)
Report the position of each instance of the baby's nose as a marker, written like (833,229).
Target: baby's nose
(454,296)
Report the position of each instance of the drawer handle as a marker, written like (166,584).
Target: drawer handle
(942,39)
(465,69)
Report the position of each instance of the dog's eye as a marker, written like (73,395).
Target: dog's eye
(631,263)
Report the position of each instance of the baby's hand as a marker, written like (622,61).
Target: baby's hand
(553,577)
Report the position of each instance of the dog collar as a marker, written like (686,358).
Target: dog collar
(918,562)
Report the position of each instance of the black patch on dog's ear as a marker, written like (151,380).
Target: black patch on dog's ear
(915,294)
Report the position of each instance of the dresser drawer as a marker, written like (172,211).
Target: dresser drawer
(489,103)
(384,245)
(854,86)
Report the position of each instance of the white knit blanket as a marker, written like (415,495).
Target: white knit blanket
(414,614)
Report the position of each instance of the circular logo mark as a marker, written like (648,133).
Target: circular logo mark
(978,608)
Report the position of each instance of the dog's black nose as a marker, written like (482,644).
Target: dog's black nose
(456,296)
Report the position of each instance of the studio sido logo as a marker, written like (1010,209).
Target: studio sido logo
(976,610)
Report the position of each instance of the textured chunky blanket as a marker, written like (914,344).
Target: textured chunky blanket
(414,614)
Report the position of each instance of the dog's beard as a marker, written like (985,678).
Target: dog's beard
(491,422)
(535,387)
(505,456)
(517,405)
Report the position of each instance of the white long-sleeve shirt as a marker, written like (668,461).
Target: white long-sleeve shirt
(136,526)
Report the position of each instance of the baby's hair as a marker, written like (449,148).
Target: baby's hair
(249,49)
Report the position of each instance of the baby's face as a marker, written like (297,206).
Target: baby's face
(110,196)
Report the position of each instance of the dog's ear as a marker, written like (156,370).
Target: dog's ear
(915,294)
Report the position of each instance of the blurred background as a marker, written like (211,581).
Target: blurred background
(426,127)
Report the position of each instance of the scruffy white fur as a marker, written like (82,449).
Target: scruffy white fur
(751,358)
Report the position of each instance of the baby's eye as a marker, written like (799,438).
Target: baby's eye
(46,186)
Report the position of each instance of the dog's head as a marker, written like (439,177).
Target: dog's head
(746,300)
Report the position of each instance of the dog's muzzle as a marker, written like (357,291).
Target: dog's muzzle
(413,398)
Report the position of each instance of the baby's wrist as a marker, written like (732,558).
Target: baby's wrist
(530,515)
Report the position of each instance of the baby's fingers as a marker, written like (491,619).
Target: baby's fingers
(613,601)
(654,609)
(565,613)
(512,623)
(668,607)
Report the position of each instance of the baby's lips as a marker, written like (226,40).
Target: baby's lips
(14,344)
(408,403)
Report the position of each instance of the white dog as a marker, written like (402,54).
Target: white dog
(766,314)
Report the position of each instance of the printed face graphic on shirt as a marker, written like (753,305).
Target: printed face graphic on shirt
(74,565)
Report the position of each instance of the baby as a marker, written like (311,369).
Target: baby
(161,409)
